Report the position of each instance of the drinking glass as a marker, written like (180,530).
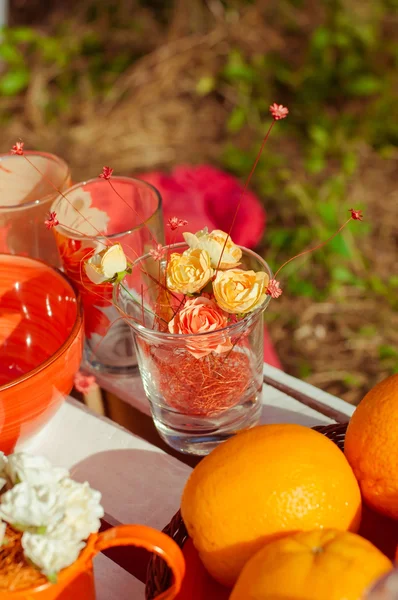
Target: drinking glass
(25,199)
(197,398)
(91,214)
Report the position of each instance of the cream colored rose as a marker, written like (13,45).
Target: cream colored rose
(214,243)
(239,292)
(189,272)
(106,264)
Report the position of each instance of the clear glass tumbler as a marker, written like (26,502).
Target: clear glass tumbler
(25,199)
(129,213)
(197,400)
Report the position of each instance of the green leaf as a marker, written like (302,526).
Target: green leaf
(393,281)
(349,162)
(23,35)
(321,39)
(236,119)
(41,530)
(328,212)
(319,135)
(340,246)
(237,69)
(205,85)
(365,85)
(237,160)
(378,285)
(386,352)
(14,82)
(10,54)
(343,275)
(315,162)
(368,331)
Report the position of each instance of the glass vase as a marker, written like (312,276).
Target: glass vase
(198,397)
(128,213)
(25,199)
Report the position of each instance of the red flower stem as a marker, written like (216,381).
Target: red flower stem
(142,304)
(133,209)
(93,238)
(320,245)
(245,189)
(63,195)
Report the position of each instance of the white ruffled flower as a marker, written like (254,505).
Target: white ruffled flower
(104,265)
(3,463)
(83,511)
(26,506)
(217,244)
(35,470)
(49,554)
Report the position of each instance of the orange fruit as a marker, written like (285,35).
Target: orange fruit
(261,484)
(312,565)
(371,446)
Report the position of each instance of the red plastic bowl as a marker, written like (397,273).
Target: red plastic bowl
(41,342)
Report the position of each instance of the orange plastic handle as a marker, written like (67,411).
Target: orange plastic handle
(150,539)
(69,582)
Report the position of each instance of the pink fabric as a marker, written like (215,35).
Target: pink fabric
(207,196)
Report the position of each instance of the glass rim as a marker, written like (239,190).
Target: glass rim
(112,236)
(187,336)
(51,158)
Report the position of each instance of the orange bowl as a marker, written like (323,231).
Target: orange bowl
(41,343)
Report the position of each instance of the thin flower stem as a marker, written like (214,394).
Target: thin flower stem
(320,245)
(63,196)
(135,300)
(133,209)
(245,189)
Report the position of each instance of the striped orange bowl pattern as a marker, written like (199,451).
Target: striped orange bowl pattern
(41,342)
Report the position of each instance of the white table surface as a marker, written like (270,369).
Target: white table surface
(141,483)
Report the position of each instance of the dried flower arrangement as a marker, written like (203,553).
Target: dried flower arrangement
(45,520)
(199,293)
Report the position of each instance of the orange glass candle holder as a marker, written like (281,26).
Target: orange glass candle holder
(77,581)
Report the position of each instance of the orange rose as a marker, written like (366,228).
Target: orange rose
(199,316)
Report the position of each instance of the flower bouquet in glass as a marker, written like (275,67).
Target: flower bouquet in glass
(195,311)
(48,533)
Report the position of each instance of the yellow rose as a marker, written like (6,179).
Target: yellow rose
(239,292)
(189,272)
(213,243)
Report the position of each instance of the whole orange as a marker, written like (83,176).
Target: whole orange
(261,484)
(371,446)
(315,565)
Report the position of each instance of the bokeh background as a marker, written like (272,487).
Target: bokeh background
(154,84)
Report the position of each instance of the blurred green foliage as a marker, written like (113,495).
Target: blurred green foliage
(341,91)
(337,76)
